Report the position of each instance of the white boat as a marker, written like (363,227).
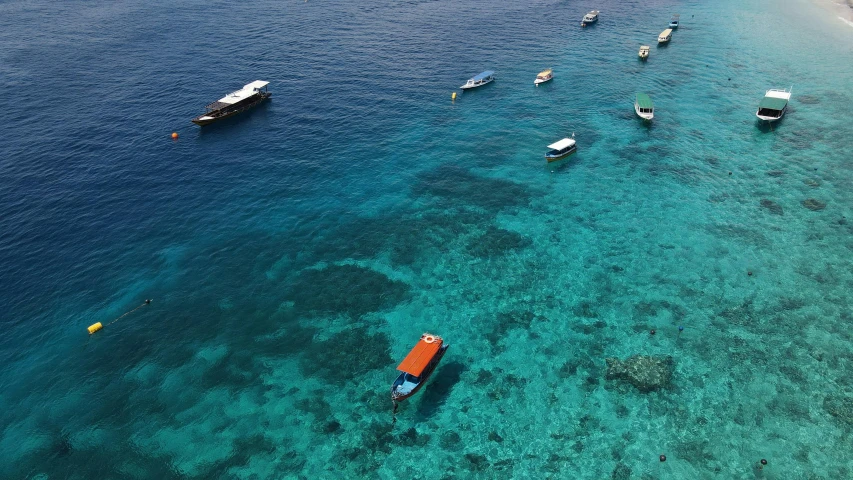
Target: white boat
(665,36)
(561,149)
(774,104)
(644,107)
(543,76)
(478,81)
(644,52)
(590,17)
(673,24)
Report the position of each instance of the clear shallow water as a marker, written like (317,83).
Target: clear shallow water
(295,253)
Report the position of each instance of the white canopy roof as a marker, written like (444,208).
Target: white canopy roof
(778,94)
(247,91)
(562,144)
(256,84)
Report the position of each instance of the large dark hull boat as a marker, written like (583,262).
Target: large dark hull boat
(418,366)
(247,97)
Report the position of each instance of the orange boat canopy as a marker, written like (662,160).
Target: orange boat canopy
(420,356)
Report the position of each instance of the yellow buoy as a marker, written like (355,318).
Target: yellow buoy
(95,327)
(453,96)
(175,135)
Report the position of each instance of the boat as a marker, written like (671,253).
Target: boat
(250,95)
(561,149)
(644,52)
(774,104)
(543,76)
(673,24)
(418,366)
(478,81)
(665,36)
(590,17)
(644,107)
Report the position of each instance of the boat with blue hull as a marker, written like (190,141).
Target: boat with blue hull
(561,149)
(673,24)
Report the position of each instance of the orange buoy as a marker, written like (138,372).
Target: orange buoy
(174,135)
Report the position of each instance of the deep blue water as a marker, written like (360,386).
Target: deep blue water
(296,252)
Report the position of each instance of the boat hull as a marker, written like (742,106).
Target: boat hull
(644,116)
(559,156)
(469,87)
(770,119)
(213,117)
(424,377)
(542,80)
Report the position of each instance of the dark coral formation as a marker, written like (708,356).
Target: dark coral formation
(506,321)
(772,207)
(646,372)
(813,204)
(475,462)
(621,472)
(411,438)
(450,440)
(346,289)
(457,185)
(346,356)
(404,236)
(840,407)
(497,241)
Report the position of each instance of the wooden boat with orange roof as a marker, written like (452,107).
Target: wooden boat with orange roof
(418,366)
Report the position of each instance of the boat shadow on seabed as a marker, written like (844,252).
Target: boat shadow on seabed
(435,393)
(769,127)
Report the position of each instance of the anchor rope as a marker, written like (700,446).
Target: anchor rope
(146,302)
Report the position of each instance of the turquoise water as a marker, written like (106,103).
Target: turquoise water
(295,254)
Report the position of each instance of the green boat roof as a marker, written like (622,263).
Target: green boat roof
(773,103)
(644,101)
